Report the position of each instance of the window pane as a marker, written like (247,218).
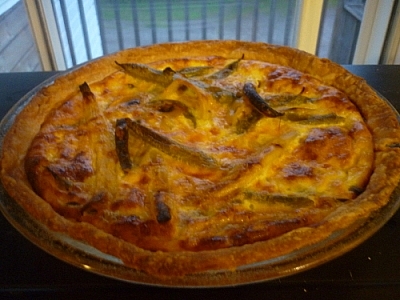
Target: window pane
(117,25)
(131,23)
(134,23)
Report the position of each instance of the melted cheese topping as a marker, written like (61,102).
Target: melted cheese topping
(208,169)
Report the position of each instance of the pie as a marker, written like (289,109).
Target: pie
(202,156)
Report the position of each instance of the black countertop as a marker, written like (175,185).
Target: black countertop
(370,271)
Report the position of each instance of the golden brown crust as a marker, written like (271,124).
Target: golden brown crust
(211,251)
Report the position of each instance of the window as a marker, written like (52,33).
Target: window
(70,32)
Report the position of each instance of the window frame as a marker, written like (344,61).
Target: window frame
(369,46)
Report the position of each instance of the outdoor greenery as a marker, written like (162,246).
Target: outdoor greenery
(182,9)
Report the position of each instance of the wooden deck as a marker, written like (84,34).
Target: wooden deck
(18,52)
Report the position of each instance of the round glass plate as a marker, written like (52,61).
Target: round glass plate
(88,258)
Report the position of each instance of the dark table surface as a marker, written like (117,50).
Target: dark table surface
(370,271)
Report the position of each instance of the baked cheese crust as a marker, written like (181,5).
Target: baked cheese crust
(199,156)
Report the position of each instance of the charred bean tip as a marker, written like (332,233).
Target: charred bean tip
(163,211)
(121,144)
(258,102)
(356,190)
(393,145)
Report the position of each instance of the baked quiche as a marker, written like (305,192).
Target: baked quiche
(202,156)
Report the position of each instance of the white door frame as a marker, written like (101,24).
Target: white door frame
(374,26)
(392,51)
(45,32)
(308,19)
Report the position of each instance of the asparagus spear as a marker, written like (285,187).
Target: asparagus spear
(161,142)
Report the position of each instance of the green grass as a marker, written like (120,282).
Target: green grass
(178,9)
(160,9)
